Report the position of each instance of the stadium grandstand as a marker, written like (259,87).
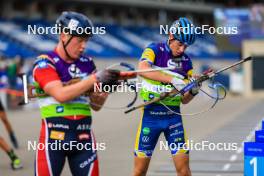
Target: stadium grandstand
(130,25)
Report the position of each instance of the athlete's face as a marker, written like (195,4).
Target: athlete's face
(76,46)
(176,46)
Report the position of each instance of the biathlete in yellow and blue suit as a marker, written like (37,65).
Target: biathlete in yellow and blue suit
(157,118)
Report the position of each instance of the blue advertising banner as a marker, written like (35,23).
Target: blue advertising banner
(253,159)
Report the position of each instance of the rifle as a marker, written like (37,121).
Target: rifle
(202,78)
(30,93)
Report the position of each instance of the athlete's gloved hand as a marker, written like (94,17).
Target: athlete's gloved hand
(178,83)
(107,76)
(195,90)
